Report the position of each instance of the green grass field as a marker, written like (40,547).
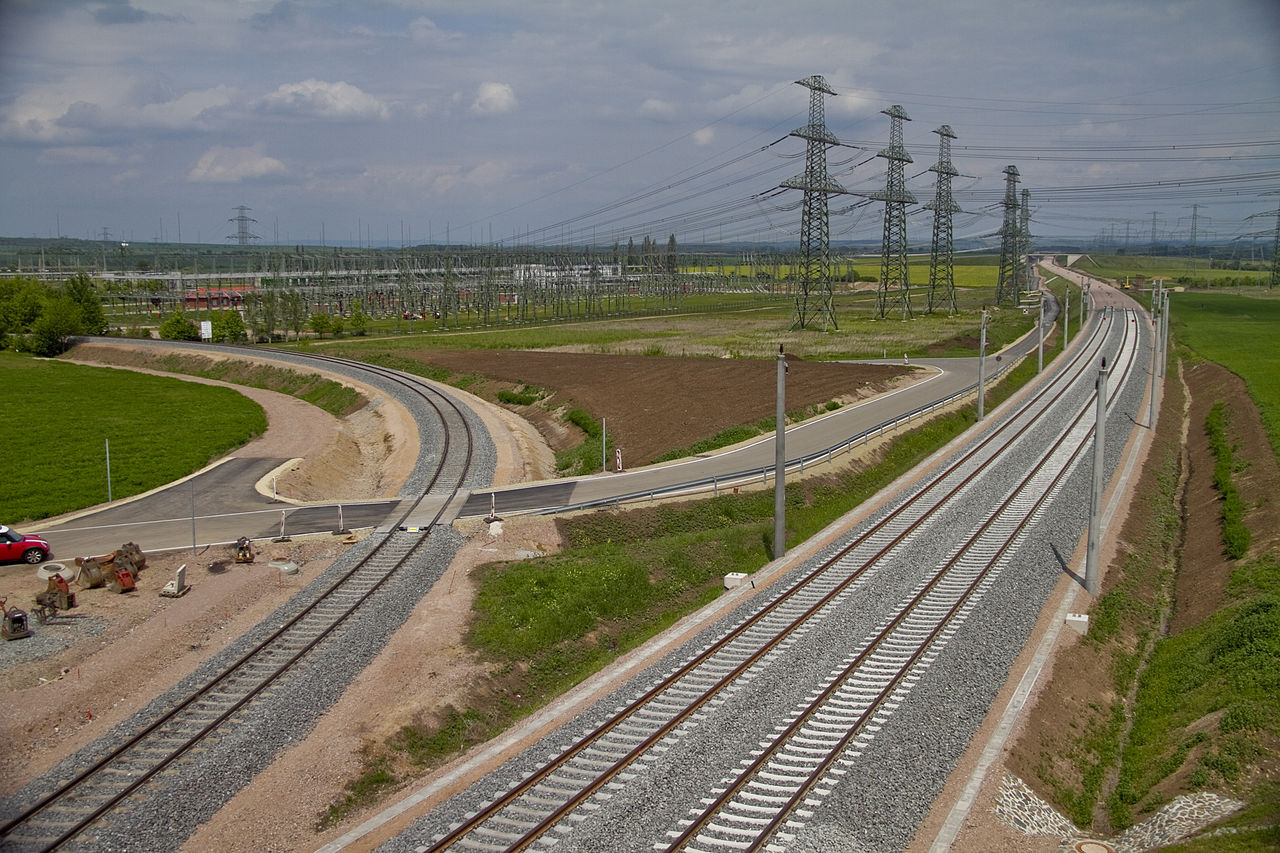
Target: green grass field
(159,430)
(1240,333)
(1120,267)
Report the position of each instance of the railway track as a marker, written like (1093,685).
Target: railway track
(790,771)
(72,808)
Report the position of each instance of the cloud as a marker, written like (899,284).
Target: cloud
(704,136)
(123,12)
(227,165)
(494,99)
(425,31)
(81,155)
(318,99)
(657,108)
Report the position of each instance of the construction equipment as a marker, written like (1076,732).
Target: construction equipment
(120,568)
(58,596)
(244,550)
(14,626)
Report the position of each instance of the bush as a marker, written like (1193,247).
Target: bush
(176,327)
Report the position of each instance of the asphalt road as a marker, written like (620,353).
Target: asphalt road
(214,506)
(220,504)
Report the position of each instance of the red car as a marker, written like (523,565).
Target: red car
(20,546)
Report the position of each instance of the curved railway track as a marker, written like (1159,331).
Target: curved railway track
(76,804)
(779,783)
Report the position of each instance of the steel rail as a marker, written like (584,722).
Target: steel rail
(1076,367)
(816,774)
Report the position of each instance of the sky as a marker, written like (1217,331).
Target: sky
(550,122)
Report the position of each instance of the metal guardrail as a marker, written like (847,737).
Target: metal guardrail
(761,475)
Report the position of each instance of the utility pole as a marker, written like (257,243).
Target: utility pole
(1040,344)
(780,462)
(982,365)
(941,272)
(1095,497)
(1066,316)
(894,274)
(815,228)
(1154,214)
(1155,359)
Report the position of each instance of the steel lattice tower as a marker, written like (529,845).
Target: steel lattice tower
(1024,244)
(242,219)
(942,280)
(894,275)
(814,300)
(1275,254)
(1007,283)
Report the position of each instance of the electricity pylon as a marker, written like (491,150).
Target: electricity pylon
(942,280)
(895,283)
(1007,282)
(814,302)
(242,219)
(1025,278)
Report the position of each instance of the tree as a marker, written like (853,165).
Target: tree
(227,327)
(320,323)
(176,327)
(82,291)
(58,323)
(295,312)
(360,322)
(268,315)
(21,302)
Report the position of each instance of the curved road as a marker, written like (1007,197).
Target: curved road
(220,504)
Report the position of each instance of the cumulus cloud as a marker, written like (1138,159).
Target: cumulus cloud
(319,99)
(494,99)
(704,136)
(228,165)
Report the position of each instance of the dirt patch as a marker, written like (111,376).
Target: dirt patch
(122,650)
(422,671)
(1204,569)
(653,404)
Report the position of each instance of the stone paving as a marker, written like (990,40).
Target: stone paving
(1019,807)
